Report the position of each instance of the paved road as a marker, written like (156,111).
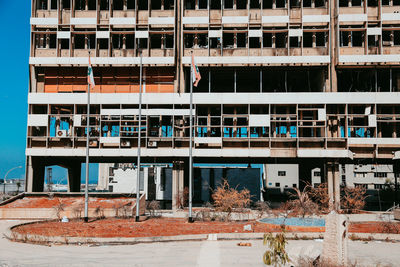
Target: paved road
(206,253)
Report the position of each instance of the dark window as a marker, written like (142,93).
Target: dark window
(380,174)
(241,39)
(92,4)
(227,39)
(307,39)
(281,173)
(357,39)
(103,43)
(143,4)
(169,41)
(189,40)
(294,185)
(294,41)
(155,41)
(168,4)
(80,4)
(294,3)
(64,43)
(104,5)
(267,39)
(142,43)
(91,41)
(372,41)
(42,5)
(373,3)
(118,5)
(215,4)
(254,42)
(228,3)
(215,42)
(130,41)
(53,41)
(317,173)
(396,37)
(79,40)
(344,38)
(203,4)
(117,41)
(306,3)
(320,3)
(343,3)
(155,4)
(53,4)
(356,3)
(281,3)
(202,40)
(254,3)
(277,184)
(280,40)
(190,4)
(131,4)
(241,4)
(320,39)
(267,4)
(66,4)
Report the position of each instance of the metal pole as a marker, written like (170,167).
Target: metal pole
(139,139)
(86,218)
(190,146)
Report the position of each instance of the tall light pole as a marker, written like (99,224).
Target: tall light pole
(5,177)
(137,218)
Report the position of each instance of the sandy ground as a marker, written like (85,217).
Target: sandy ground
(205,253)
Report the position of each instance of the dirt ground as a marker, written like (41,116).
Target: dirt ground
(114,227)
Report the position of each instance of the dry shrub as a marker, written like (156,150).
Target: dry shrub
(320,195)
(182,198)
(99,211)
(152,207)
(389,227)
(226,199)
(77,210)
(60,207)
(353,199)
(302,203)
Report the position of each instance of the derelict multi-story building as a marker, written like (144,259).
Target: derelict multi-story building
(314,82)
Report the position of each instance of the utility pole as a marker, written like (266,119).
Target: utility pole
(137,218)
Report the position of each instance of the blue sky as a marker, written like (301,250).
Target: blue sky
(14,76)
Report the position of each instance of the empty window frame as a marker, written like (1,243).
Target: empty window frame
(294,41)
(308,39)
(241,39)
(155,41)
(143,4)
(281,3)
(373,41)
(344,38)
(228,4)
(103,43)
(155,4)
(189,40)
(267,4)
(228,40)
(64,43)
(222,80)
(190,4)
(320,39)
(306,3)
(66,4)
(372,3)
(41,5)
(241,4)
(118,4)
(294,3)
(215,42)
(255,4)
(357,38)
(142,43)
(91,4)
(53,4)
(280,39)
(267,39)
(215,4)
(169,41)
(387,38)
(117,41)
(104,4)
(247,80)
(79,41)
(396,37)
(80,4)
(169,4)
(203,4)
(254,42)
(130,41)
(320,3)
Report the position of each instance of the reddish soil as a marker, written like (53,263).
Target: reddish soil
(167,227)
(44,202)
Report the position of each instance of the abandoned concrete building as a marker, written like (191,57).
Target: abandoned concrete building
(312,82)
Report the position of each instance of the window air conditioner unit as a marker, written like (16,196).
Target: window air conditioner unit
(62,133)
(152,144)
(125,143)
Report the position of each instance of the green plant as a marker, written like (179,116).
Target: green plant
(276,254)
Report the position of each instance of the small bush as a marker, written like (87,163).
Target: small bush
(353,199)
(302,204)
(276,254)
(152,207)
(182,198)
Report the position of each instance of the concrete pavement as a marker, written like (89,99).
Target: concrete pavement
(185,253)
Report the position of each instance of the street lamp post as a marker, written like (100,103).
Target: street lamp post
(5,177)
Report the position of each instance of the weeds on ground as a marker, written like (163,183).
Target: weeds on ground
(302,203)
(99,211)
(276,254)
(152,207)
(227,199)
(60,207)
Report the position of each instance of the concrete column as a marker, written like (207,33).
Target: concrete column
(74,177)
(35,171)
(177,183)
(333,178)
(333,49)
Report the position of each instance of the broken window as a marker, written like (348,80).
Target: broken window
(280,40)
(142,43)
(52,41)
(360,80)
(202,40)
(189,40)
(79,41)
(117,41)
(155,41)
(203,4)
(308,39)
(294,41)
(343,3)
(155,4)
(306,3)
(267,39)
(344,39)
(222,80)
(241,4)
(42,5)
(130,41)
(357,39)
(373,41)
(280,3)
(383,79)
(320,39)
(53,4)
(64,43)
(130,4)
(168,4)
(255,3)
(142,4)
(241,39)
(396,37)
(215,4)
(385,2)
(320,3)
(254,42)
(66,4)
(372,3)
(227,39)
(215,42)
(228,3)
(118,4)
(104,4)
(247,80)
(294,3)
(386,38)
(80,4)
(103,43)
(92,4)
(267,4)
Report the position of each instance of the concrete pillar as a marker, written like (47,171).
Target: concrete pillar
(333,178)
(74,177)
(35,171)
(333,49)
(177,183)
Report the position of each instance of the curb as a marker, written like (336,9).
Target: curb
(98,241)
